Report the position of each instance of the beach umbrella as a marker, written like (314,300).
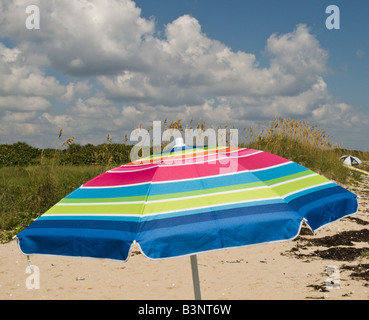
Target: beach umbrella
(186,201)
(350,160)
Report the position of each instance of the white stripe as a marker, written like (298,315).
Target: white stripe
(273,166)
(206,195)
(195,208)
(292,180)
(162,212)
(230,203)
(307,188)
(189,179)
(98,203)
(188,161)
(210,206)
(163,200)
(141,169)
(118,186)
(158,159)
(192,197)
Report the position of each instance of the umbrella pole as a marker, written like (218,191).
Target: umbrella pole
(195,277)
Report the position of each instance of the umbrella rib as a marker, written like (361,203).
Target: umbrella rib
(141,213)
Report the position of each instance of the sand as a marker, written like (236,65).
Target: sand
(283,270)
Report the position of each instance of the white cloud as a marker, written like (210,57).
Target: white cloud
(187,66)
(19,77)
(123,74)
(20,103)
(25,92)
(82,38)
(297,53)
(19,116)
(74,89)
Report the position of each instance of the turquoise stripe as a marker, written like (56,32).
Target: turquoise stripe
(185,186)
(278,172)
(228,180)
(95,193)
(194,211)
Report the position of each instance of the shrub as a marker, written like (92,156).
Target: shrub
(18,154)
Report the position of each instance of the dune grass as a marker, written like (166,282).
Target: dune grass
(300,142)
(27,192)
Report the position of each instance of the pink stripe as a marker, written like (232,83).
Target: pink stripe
(198,153)
(200,157)
(108,179)
(181,172)
(226,166)
(261,160)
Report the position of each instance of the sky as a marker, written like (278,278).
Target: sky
(99,67)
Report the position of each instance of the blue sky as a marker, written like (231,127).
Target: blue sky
(245,25)
(102,67)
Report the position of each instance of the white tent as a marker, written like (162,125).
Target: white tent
(350,160)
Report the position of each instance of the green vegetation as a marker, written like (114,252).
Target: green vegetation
(21,154)
(27,192)
(304,144)
(365,253)
(32,180)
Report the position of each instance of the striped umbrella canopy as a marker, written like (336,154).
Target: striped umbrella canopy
(188,201)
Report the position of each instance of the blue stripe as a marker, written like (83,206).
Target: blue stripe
(95,193)
(186,234)
(324,206)
(106,244)
(198,236)
(187,217)
(278,172)
(129,226)
(119,223)
(211,215)
(319,195)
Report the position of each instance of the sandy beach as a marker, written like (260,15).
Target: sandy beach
(285,270)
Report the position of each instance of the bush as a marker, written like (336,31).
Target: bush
(18,154)
(103,154)
(22,154)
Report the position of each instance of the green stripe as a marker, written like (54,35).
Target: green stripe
(183,204)
(299,184)
(191,193)
(135,208)
(186,204)
(101,200)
